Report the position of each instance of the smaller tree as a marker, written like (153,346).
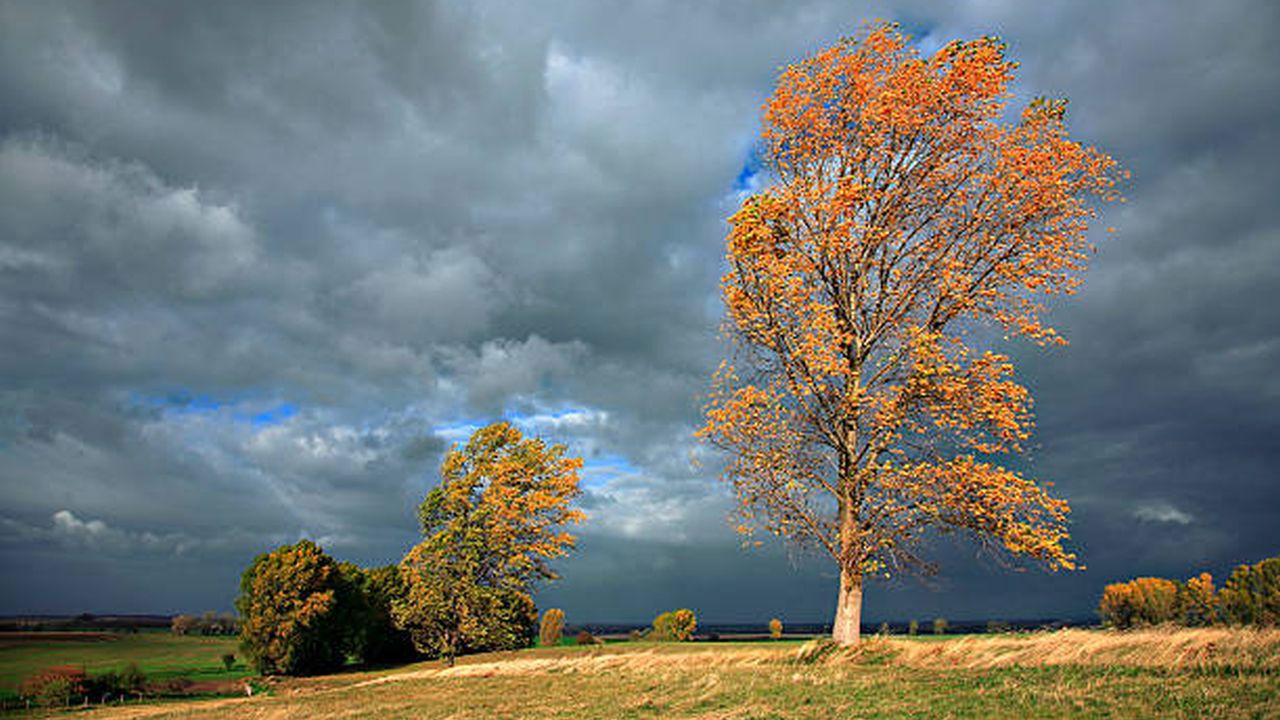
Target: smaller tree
(55,686)
(491,529)
(939,626)
(293,606)
(775,629)
(182,624)
(1142,601)
(1197,601)
(913,628)
(552,627)
(674,626)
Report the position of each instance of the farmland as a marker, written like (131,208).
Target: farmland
(1071,673)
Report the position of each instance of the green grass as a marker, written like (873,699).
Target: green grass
(160,655)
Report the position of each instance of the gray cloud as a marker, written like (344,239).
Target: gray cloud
(260,265)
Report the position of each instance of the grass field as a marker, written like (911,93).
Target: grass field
(160,655)
(1074,673)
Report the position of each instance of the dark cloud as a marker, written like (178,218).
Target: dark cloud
(261,264)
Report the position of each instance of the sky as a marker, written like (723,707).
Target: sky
(262,263)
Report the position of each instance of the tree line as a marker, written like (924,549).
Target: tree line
(1251,596)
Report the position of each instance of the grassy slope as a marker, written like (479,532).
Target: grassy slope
(1211,673)
(159,654)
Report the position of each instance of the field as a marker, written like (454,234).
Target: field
(1071,673)
(160,655)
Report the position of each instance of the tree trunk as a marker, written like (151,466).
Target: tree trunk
(848,625)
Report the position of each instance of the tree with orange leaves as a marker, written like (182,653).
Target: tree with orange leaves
(903,217)
(492,527)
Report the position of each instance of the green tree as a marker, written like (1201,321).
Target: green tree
(491,528)
(1251,596)
(295,610)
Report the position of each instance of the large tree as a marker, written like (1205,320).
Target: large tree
(904,216)
(491,527)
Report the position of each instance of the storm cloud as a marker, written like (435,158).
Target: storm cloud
(261,264)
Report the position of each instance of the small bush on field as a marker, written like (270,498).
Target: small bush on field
(884,629)
(675,626)
(132,679)
(228,660)
(586,638)
(638,634)
(775,628)
(913,628)
(55,685)
(939,626)
(552,627)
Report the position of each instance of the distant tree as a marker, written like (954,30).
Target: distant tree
(913,628)
(1251,595)
(775,629)
(228,660)
(674,626)
(182,624)
(552,627)
(491,529)
(904,213)
(210,623)
(586,638)
(1197,601)
(939,626)
(294,609)
(1142,601)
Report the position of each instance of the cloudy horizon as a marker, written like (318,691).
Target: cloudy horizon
(261,264)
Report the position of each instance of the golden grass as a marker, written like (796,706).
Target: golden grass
(1071,673)
(1171,648)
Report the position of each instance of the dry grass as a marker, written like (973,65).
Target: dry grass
(1166,648)
(1157,673)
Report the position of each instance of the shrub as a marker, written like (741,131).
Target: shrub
(586,638)
(55,685)
(552,627)
(1251,595)
(228,660)
(884,629)
(939,626)
(675,626)
(639,634)
(997,626)
(775,629)
(913,628)
(132,679)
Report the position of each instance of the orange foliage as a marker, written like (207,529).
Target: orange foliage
(904,215)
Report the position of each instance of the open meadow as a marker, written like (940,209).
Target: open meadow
(1180,673)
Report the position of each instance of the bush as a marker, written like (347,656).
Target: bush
(182,624)
(586,638)
(939,626)
(552,627)
(228,660)
(675,626)
(884,629)
(372,634)
(55,685)
(913,628)
(1251,596)
(775,629)
(639,634)
(132,679)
